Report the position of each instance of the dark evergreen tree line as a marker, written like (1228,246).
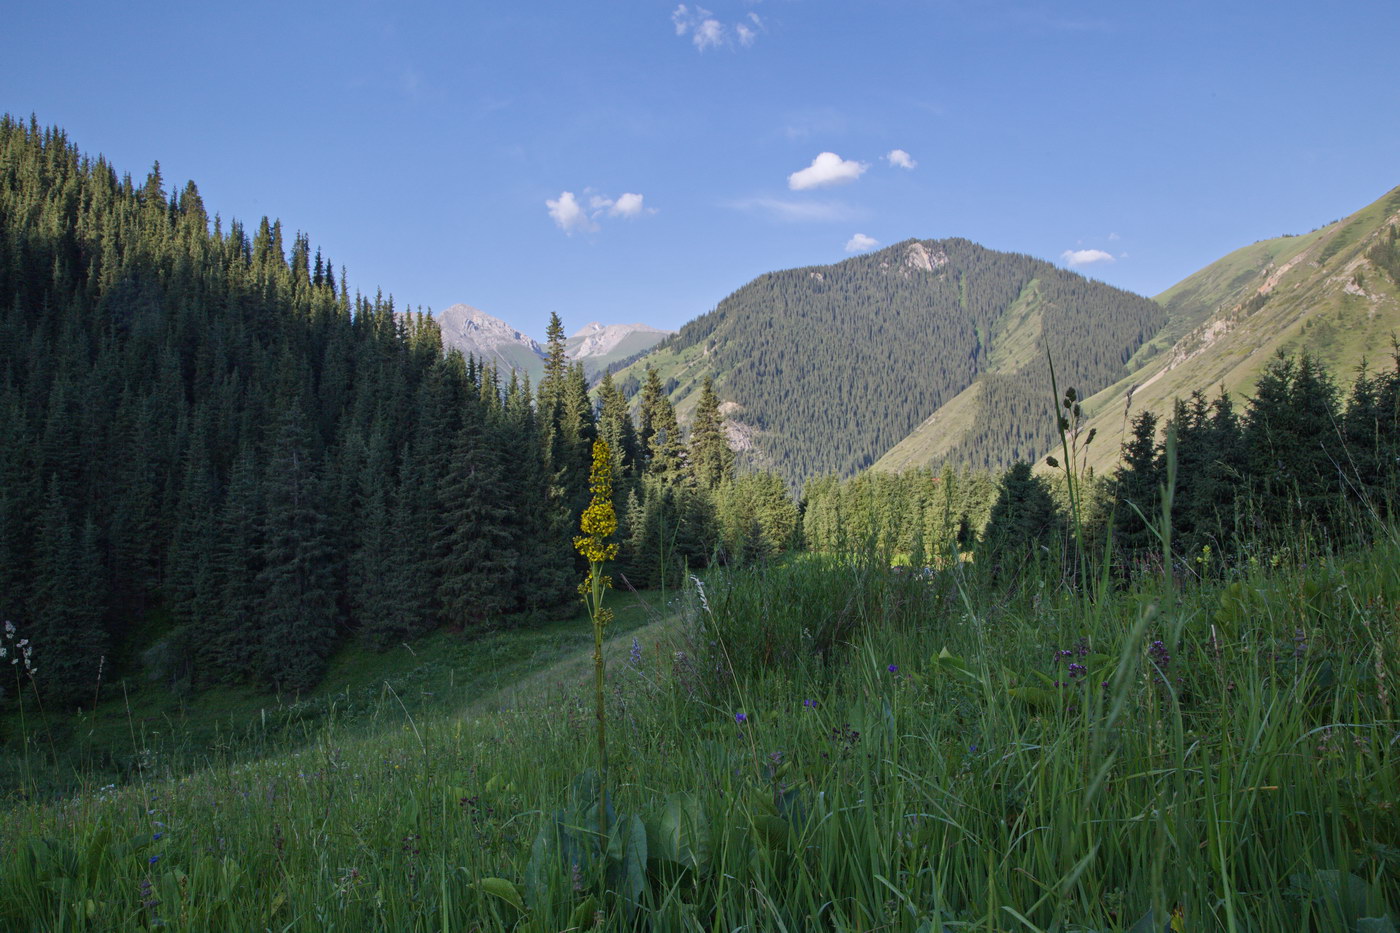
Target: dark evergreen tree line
(205,436)
(1300,456)
(218,462)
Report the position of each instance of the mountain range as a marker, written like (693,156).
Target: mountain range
(933,351)
(478,334)
(826,368)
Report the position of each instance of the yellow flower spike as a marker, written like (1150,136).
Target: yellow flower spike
(599,520)
(597,523)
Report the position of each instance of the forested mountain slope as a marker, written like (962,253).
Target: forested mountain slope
(825,368)
(216,464)
(1334,292)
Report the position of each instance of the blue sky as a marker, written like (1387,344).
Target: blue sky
(637,161)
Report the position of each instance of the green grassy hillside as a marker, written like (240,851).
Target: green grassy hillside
(1332,292)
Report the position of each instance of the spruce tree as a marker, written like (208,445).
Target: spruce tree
(475,558)
(298,604)
(1023,523)
(69,640)
(711,460)
(1136,485)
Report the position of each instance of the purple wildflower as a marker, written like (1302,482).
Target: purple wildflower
(741,718)
(893,668)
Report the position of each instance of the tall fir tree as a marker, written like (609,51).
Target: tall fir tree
(476,560)
(299,616)
(711,460)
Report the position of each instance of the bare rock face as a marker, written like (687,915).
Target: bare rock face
(478,334)
(594,339)
(488,338)
(920,256)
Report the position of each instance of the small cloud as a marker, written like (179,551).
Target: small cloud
(707,32)
(795,211)
(572,217)
(1085,257)
(749,31)
(826,169)
(860,243)
(569,215)
(628,205)
(901,159)
(1113,238)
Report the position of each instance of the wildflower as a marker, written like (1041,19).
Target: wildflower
(153,859)
(635,655)
(599,520)
(809,704)
(741,718)
(893,668)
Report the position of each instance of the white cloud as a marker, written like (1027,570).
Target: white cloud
(1084,257)
(572,217)
(569,215)
(901,159)
(828,168)
(628,205)
(860,243)
(707,32)
(681,17)
(796,211)
(708,35)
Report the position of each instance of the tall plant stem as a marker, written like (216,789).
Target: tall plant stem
(595,583)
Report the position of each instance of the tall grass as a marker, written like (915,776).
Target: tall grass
(825,745)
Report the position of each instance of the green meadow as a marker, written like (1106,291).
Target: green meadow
(817,744)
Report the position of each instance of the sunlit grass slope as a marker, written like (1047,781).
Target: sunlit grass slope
(823,745)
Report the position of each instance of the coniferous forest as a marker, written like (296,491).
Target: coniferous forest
(218,463)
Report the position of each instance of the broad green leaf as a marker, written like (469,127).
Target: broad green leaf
(504,890)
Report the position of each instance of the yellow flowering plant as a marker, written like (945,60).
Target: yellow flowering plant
(598,523)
